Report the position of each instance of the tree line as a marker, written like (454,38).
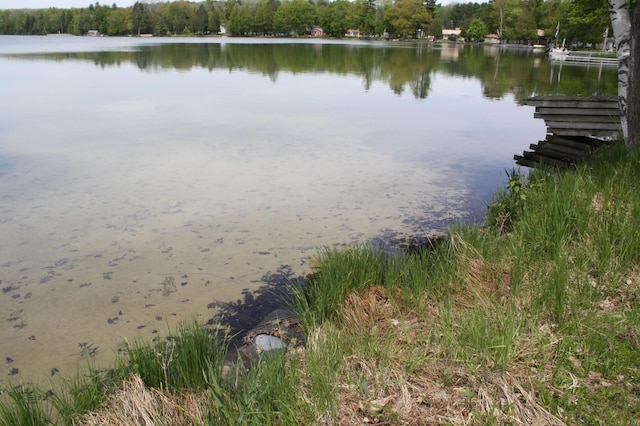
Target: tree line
(583,21)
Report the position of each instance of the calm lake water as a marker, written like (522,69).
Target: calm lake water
(148,181)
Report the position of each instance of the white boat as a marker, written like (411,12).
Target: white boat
(558,53)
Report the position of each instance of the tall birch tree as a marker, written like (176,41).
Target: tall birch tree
(621,24)
(633,113)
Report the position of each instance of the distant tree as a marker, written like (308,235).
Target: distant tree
(337,17)
(100,17)
(501,16)
(477,30)
(181,16)
(461,14)
(228,7)
(407,16)
(525,26)
(214,21)
(240,20)
(140,18)
(430,5)
(119,22)
(263,16)
(587,20)
(81,22)
(202,20)
(366,12)
(435,28)
(295,16)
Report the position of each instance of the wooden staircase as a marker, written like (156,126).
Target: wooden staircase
(576,126)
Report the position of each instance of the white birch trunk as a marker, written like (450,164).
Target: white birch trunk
(633,113)
(621,24)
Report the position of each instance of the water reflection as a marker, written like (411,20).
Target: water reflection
(405,67)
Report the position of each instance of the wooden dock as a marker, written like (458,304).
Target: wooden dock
(576,126)
(587,58)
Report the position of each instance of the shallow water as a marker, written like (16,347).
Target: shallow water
(135,196)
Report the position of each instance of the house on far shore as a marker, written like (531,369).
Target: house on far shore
(492,39)
(353,33)
(317,32)
(93,33)
(451,34)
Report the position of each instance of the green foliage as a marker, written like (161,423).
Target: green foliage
(368,17)
(587,21)
(263,17)
(520,18)
(338,17)
(435,29)
(508,205)
(458,15)
(239,21)
(295,17)
(477,30)
(525,27)
(406,17)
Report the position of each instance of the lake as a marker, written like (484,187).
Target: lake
(146,182)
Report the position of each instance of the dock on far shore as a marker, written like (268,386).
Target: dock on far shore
(586,58)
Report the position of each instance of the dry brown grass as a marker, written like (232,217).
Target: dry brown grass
(480,282)
(133,404)
(362,312)
(384,390)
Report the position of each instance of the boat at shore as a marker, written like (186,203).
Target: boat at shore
(558,53)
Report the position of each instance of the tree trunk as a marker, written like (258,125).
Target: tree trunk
(633,112)
(621,24)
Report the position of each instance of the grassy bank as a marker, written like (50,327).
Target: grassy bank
(531,319)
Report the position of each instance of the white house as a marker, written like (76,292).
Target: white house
(451,34)
(492,39)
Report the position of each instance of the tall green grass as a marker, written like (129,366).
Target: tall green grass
(83,392)
(24,405)
(188,359)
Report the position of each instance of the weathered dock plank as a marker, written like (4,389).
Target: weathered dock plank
(549,146)
(581,133)
(545,160)
(607,112)
(576,117)
(583,125)
(583,143)
(575,126)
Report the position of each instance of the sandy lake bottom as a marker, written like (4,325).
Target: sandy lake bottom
(89,261)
